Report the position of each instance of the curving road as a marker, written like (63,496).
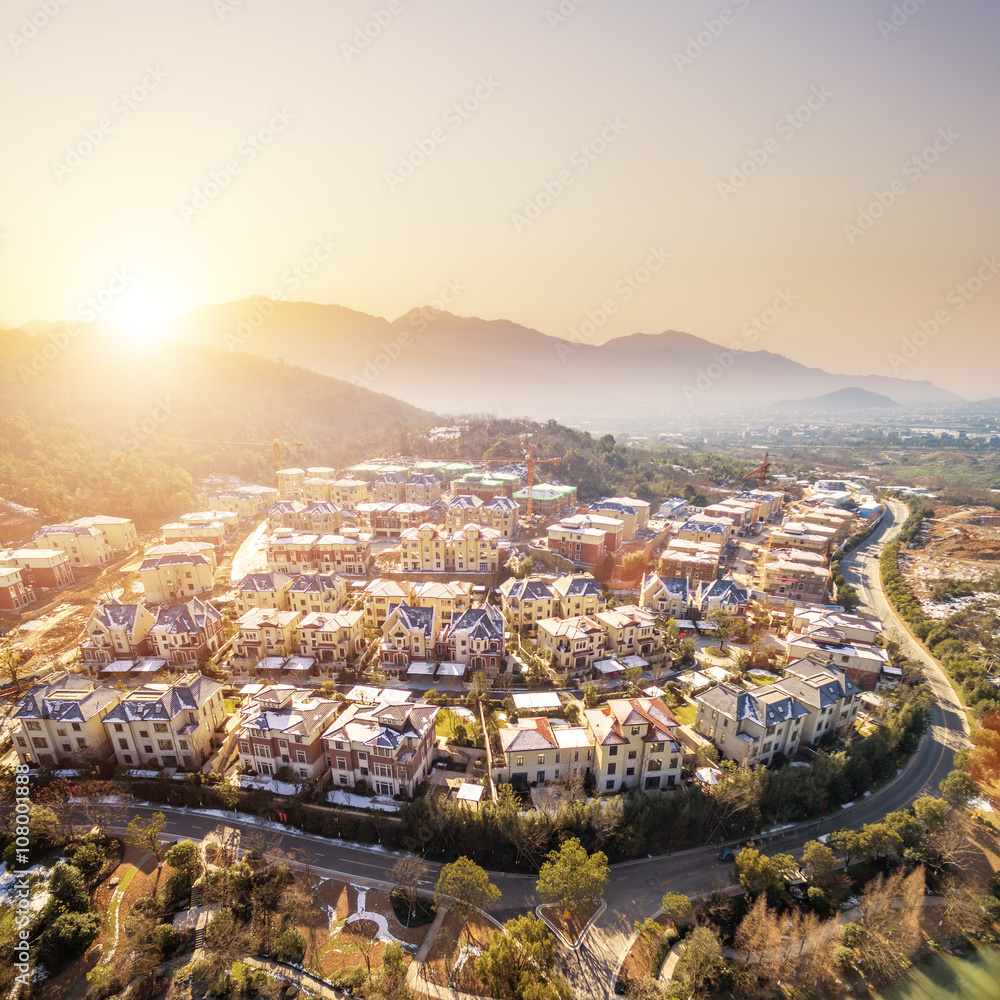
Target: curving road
(635,887)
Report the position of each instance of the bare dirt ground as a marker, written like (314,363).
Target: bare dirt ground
(961,543)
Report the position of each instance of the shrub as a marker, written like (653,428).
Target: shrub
(89,859)
(350,977)
(67,937)
(290,946)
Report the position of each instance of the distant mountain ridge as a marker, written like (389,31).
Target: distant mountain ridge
(851,398)
(456,364)
(453,364)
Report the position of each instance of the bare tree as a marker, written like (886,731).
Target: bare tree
(406,874)
(605,819)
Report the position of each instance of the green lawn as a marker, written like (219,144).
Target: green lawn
(759,681)
(685,714)
(444,724)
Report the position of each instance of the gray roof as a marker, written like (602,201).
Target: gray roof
(726,590)
(480,623)
(415,618)
(185,696)
(68,698)
(315,583)
(116,615)
(265,582)
(179,619)
(529,590)
(501,503)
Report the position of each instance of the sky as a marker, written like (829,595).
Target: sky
(815,179)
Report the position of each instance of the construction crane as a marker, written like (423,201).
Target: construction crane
(761,473)
(274,442)
(530,480)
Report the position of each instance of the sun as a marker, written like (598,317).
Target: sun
(143,313)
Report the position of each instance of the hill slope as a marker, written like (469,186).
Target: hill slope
(103,420)
(848,399)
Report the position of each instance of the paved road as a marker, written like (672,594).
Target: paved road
(635,887)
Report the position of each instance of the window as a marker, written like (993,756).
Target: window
(656,748)
(127,758)
(539,776)
(612,768)
(40,742)
(576,756)
(283,744)
(342,763)
(300,757)
(723,738)
(612,751)
(610,785)
(76,727)
(541,758)
(144,733)
(21,741)
(147,748)
(159,727)
(163,744)
(362,756)
(635,730)
(123,744)
(244,746)
(33,725)
(182,744)
(632,754)
(519,761)
(653,765)
(60,732)
(558,756)
(629,770)
(673,763)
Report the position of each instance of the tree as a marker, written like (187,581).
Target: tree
(290,946)
(11,664)
(676,906)
(846,841)
(572,878)
(819,860)
(931,813)
(605,818)
(228,793)
(185,856)
(146,833)
(700,962)
(590,697)
(69,891)
(465,887)
(68,936)
(406,874)
(758,873)
(103,806)
(957,788)
(90,859)
(521,956)
(879,842)
(725,624)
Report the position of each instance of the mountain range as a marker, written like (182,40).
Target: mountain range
(454,364)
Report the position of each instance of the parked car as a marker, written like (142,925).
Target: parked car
(727,854)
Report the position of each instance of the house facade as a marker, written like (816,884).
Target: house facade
(635,745)
(47,569)
(167,725)
(283,727)
(388,747)
(62,721)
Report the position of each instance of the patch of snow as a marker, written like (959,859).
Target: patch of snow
(378,919)
(983,805)
(847,805)
(341,798)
